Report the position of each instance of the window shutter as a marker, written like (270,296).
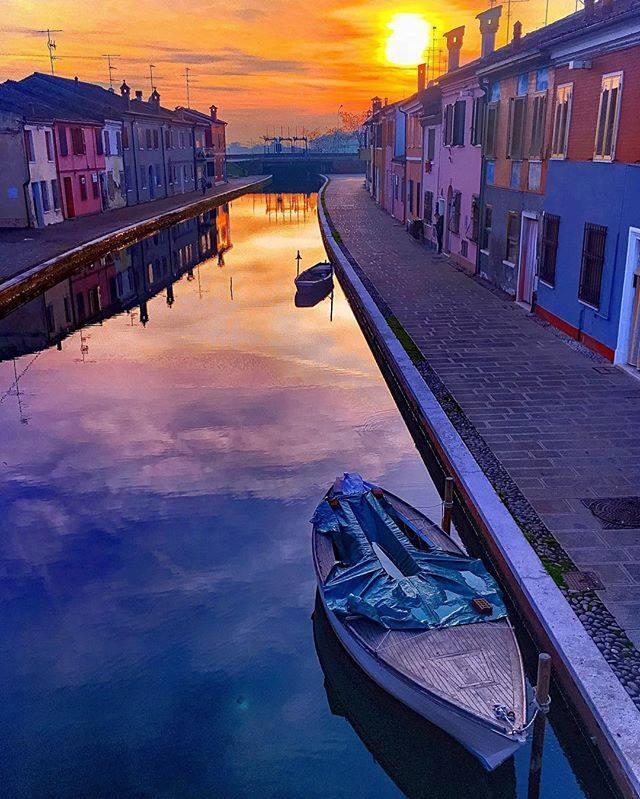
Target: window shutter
(492,125)
(536,145)
(595,237)
(515,142)
(549,248)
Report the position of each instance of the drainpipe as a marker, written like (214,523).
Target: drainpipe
(133,142)
(31,222)
(484,88)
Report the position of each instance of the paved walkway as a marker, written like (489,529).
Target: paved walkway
(563,423)
(22,249)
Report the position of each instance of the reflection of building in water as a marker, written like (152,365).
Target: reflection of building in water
(118,282)
(283,206)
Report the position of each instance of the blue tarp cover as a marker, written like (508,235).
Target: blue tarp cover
(435,588)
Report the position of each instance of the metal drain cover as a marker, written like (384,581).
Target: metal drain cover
(582,581)
(616,512)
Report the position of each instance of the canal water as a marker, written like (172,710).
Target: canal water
(170,416)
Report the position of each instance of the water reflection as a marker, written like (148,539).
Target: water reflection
(167,428)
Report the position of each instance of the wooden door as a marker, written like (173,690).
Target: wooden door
(68,198)
(634,331)
(528,259)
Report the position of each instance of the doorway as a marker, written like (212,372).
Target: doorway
(628,349)
(68,198)
(447,221)
(37,204)
(152,185)
(528,258)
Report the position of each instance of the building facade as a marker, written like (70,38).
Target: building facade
(80,160)
(14,172)
(114,191)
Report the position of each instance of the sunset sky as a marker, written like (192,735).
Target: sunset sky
(264,64)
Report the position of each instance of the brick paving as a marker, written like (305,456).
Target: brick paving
(560,421)
(22,249)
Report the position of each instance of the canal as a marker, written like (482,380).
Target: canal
(170,417)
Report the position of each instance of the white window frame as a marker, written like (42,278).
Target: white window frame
(616,124)
(561,156)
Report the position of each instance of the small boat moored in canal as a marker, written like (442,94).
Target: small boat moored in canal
(426,622)
(316,277)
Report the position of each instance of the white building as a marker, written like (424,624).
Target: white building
(114,190)
(44,190)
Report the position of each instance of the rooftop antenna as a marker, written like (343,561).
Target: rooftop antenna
(187,80)
(151,68)
(51,45)
(509,3)
(110,66)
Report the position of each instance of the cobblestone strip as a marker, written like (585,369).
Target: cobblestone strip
(617,649)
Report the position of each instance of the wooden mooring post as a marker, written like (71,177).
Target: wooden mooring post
(447,505)
(537,745)
(298,259)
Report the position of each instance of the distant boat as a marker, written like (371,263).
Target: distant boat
(316,276)
(423,620)
(410,749)
(309,297)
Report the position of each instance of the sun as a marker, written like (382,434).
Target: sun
(408,39)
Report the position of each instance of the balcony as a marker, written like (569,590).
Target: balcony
(205,153)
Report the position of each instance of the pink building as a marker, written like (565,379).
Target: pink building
(431,146)
(80,161)
(460,159)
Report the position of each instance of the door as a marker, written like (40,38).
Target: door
(528,259)
(68,198)
(633,356)
(152,185)
(37,204)
(447,221)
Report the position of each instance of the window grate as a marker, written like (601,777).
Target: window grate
(549,252)
(595,237)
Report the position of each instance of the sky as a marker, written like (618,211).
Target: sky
(265,65)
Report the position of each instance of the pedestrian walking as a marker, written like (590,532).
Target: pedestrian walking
(439,228)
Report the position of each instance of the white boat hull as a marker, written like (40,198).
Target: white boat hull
(489,745)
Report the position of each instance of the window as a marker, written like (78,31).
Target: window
(475,217)
(107,142)
(516,168)
(29,146)
(523,84)
(608,116)
(513,237)
(148,139)
(118,142)
(83,187)
(448,125)
(143,178)
(428,207)
(417,199)
(492,131)
(99,141)
(158,176)
(95,186)
(561,120)
(156,140)
(167,140)
(494,92)
(486,228)
(77,141)
(515,137)
(595,237)
(549,248)
(62,139)
(48,140)
(542,80)
(535,175)
(431,144)
(44,190)
(459,110)
(491,173)
(477,121)
(55,194)
(454,212)
(125,138)
(538,116)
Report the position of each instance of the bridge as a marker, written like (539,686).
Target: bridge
(294,165)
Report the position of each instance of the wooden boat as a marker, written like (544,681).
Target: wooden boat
(410,749)
(466,678)
(309,298)
(315,277)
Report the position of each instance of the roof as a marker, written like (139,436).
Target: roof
(198,117)
(33,107)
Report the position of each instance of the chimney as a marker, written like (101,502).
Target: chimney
(422,77)
(154,97)
(589,9)
(376,105)
(139,94)
(76,81)
(125,91)
(454,45)
(489,23)
(214,112)
(517,33)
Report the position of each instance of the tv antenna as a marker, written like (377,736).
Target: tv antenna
(51,45)
(509,4)
(188,80)
(110,66)
(151,68)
